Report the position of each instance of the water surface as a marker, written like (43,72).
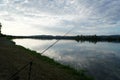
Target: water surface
(102,60)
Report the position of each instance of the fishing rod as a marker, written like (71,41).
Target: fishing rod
(30,63)
(56,41)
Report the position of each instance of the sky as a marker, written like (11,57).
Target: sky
(56,17)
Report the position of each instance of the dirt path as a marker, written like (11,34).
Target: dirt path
(13,57)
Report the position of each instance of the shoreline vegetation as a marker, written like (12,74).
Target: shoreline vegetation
(78,38)
(14,56)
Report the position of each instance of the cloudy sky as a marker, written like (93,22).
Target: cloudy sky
(56,17)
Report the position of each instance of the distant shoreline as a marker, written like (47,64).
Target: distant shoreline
(78,38)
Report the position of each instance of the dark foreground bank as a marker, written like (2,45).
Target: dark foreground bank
(14,57)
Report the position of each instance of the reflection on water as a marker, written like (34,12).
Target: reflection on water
(102,60)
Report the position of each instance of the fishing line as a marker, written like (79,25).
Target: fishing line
(56,41)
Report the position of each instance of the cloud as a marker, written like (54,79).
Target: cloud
(60,15)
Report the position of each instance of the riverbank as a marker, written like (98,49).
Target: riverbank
(14,57)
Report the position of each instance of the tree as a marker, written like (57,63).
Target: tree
(0,28)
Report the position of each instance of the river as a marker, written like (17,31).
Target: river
(101,59)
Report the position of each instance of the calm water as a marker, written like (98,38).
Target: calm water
(102,60)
